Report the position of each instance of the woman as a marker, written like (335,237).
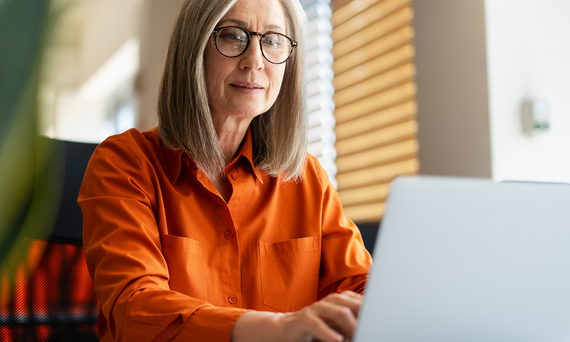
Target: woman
(217,226)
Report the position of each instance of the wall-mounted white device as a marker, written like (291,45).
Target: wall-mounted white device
(535,116)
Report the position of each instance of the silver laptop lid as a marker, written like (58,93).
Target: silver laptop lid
(470,260)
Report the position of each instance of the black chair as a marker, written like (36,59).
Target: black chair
(51,294)
(369,231)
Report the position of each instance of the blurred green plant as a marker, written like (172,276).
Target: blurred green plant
(31,173)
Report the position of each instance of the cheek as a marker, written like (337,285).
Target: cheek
(209,70)
(216,75)
(215,68)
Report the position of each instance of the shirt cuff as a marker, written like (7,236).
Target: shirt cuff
(212,323)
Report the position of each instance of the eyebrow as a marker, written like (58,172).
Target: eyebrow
(245,24)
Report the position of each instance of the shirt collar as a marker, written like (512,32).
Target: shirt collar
(175,158)
(247,152)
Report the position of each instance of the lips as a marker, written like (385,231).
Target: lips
(247,85)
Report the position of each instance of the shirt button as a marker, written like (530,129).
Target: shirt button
(232,299)
(228,235)
(235,176)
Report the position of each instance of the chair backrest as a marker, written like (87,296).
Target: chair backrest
(51,294)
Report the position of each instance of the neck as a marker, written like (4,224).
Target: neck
(230,136)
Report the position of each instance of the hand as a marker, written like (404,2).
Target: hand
(332,319)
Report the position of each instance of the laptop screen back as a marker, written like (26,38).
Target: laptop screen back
(470,260)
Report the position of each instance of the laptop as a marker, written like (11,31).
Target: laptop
(470,260)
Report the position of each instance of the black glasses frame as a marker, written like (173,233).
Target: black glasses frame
(249,34)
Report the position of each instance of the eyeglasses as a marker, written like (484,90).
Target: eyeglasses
(232,41)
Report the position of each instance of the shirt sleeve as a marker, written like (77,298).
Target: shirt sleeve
(345,262)
(122,247)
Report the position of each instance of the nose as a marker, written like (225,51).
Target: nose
(253,58)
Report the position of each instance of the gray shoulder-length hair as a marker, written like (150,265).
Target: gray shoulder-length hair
(185,121)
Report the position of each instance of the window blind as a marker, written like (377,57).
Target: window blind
(375,101)
(320,90)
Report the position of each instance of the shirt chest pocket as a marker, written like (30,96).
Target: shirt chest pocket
(290,273)
(185,265)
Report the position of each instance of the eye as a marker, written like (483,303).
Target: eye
(273,40)
(233,35)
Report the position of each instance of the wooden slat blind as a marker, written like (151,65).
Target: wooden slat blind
(375,101)
(319,76)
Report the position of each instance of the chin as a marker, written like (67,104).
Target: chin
(248,112)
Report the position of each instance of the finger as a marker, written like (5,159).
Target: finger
(354,302)
(357,297)
(319,330)
(340,317)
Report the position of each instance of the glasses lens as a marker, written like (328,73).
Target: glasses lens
(231,41)
(276,47)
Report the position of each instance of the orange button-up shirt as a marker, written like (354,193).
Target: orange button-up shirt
(171,261)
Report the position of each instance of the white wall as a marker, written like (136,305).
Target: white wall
(157,19)
(528,53)
(109,24)
(477,61)
(453,114)
(99,59)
